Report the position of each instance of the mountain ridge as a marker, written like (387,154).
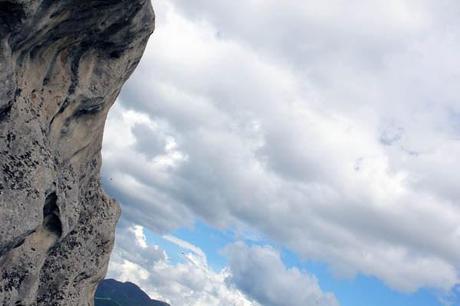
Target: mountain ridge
(123,294)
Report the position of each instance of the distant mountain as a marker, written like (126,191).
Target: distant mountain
(105,302)
(114,293)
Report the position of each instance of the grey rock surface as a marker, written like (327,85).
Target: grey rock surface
(62,65)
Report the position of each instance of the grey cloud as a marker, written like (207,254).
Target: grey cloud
(148,141)
(260,273)
(270,133)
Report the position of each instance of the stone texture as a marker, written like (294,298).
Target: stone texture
(62,64)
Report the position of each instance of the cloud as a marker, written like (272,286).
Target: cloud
(148,141)
(328,127)
(453,298)
(132,238)
(129,174)
(256,275)
(260,273)
(187,246)
(190,282)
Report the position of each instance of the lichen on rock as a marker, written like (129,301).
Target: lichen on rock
(62,65)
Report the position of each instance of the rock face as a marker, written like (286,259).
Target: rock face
(62,64)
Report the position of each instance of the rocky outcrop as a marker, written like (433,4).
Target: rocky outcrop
(62,64)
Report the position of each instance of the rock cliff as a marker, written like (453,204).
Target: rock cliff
(62,64)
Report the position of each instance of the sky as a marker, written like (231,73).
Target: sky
(287,153)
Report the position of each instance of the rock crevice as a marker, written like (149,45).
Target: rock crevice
(62,65)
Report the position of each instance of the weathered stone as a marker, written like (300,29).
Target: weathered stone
(62,64)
